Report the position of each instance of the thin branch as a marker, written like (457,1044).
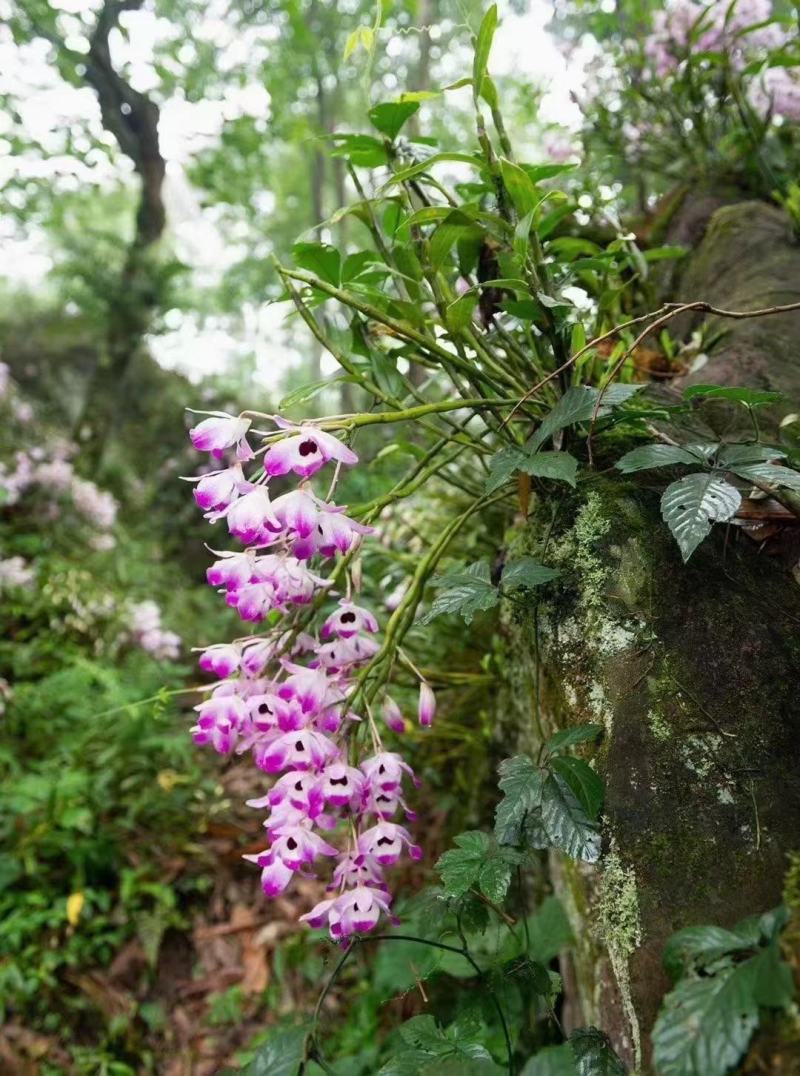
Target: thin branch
(664,314)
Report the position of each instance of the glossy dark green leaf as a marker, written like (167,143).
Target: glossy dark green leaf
(691,505)
(593,1053)
(521,785)
(648,456)
(705,1024)
(566,823)
(583,781)
(771,474)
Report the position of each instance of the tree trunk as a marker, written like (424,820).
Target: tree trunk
(691,669)
(133,120)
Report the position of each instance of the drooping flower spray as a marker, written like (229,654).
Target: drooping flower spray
(285,696)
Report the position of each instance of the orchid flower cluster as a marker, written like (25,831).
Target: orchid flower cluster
(284,697)
(742,29)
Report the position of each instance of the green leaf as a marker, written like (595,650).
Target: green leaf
(459,313)
(521,784)
(483,46)
(641,459)
(549,930)
(566,823)
(363,36)
(583,781)
(387,376)
(465,591)
(559,466)
(700,946)
(660,254)
(522,234)
(495,877)
(750,397)
(502,466)
(771,473)
(521,189)
(454,227)
(578,405)
(416,169)
(537,172)
(690,506)
(390,116)
(551,1061)
(594,1054)
(320,259)
(773,987)
(281,1055)
(526,572)
(307,392)
(706,1023)
(729,455)
(568,737)
(461,866)
(354,264)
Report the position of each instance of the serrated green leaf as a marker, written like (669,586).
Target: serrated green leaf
(647,456)
(771,473)
(390,116)
(521,784)
(566,823)
(690,506)
(583,781)
(461,866)
(465,591)
(594,1054)
(320,259)
(568,737)
(705,1024)
(495,878)
(483,46)
(526,572)
(750,397)
(502,466)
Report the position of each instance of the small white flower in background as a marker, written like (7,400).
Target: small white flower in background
(146,629)
(15,572)
(5,694)
(5,377)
